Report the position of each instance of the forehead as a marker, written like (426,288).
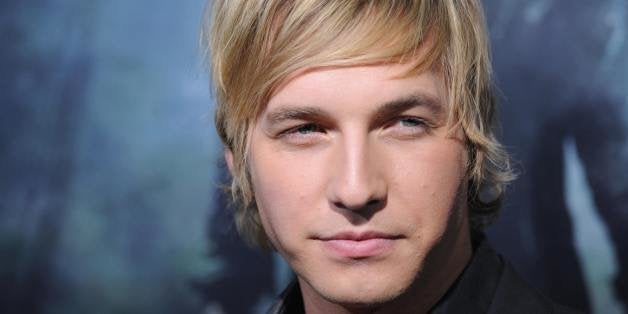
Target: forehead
(362,85)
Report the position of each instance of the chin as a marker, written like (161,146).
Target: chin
(364,286)
(363,300)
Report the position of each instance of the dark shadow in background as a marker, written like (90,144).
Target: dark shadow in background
(598,138)
(549,59)
(247,274)
(41,98)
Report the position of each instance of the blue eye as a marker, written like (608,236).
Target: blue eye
(411,122)
(407,127)
(303,135)
(306,129)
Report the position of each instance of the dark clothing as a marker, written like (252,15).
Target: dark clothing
(487,285)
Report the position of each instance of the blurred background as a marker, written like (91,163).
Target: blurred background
(110,167)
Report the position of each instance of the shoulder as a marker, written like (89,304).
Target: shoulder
(489,284)
(514,295)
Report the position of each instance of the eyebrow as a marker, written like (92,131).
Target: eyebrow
(286,113)
(398,106)
(382,113)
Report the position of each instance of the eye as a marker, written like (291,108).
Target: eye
(304,134)
(407,127)
(411,122)
(306,128)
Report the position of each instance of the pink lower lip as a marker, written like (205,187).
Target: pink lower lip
(359,249)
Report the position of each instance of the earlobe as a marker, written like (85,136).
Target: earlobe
(229,159)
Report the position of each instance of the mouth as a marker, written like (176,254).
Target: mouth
(352,245)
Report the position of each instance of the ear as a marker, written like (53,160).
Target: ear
(229,160)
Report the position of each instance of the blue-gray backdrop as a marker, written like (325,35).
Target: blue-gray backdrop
(109,165)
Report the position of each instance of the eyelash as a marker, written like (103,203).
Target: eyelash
(419,122)
(303,127)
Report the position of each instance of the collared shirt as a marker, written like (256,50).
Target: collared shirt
(488,284)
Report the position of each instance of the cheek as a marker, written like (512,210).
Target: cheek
(430,181)
(283,185)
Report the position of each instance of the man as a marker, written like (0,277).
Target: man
(359,137)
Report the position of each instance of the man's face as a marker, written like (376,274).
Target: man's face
(358,184)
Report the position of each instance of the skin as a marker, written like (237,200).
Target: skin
(355,150)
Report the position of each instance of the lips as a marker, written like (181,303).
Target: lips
(359,245)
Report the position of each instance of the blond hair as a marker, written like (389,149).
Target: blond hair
(255,45)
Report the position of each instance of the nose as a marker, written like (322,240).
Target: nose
(357,180)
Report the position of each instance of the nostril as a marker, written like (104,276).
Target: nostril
(360,213)
(340,205)
(364,206)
